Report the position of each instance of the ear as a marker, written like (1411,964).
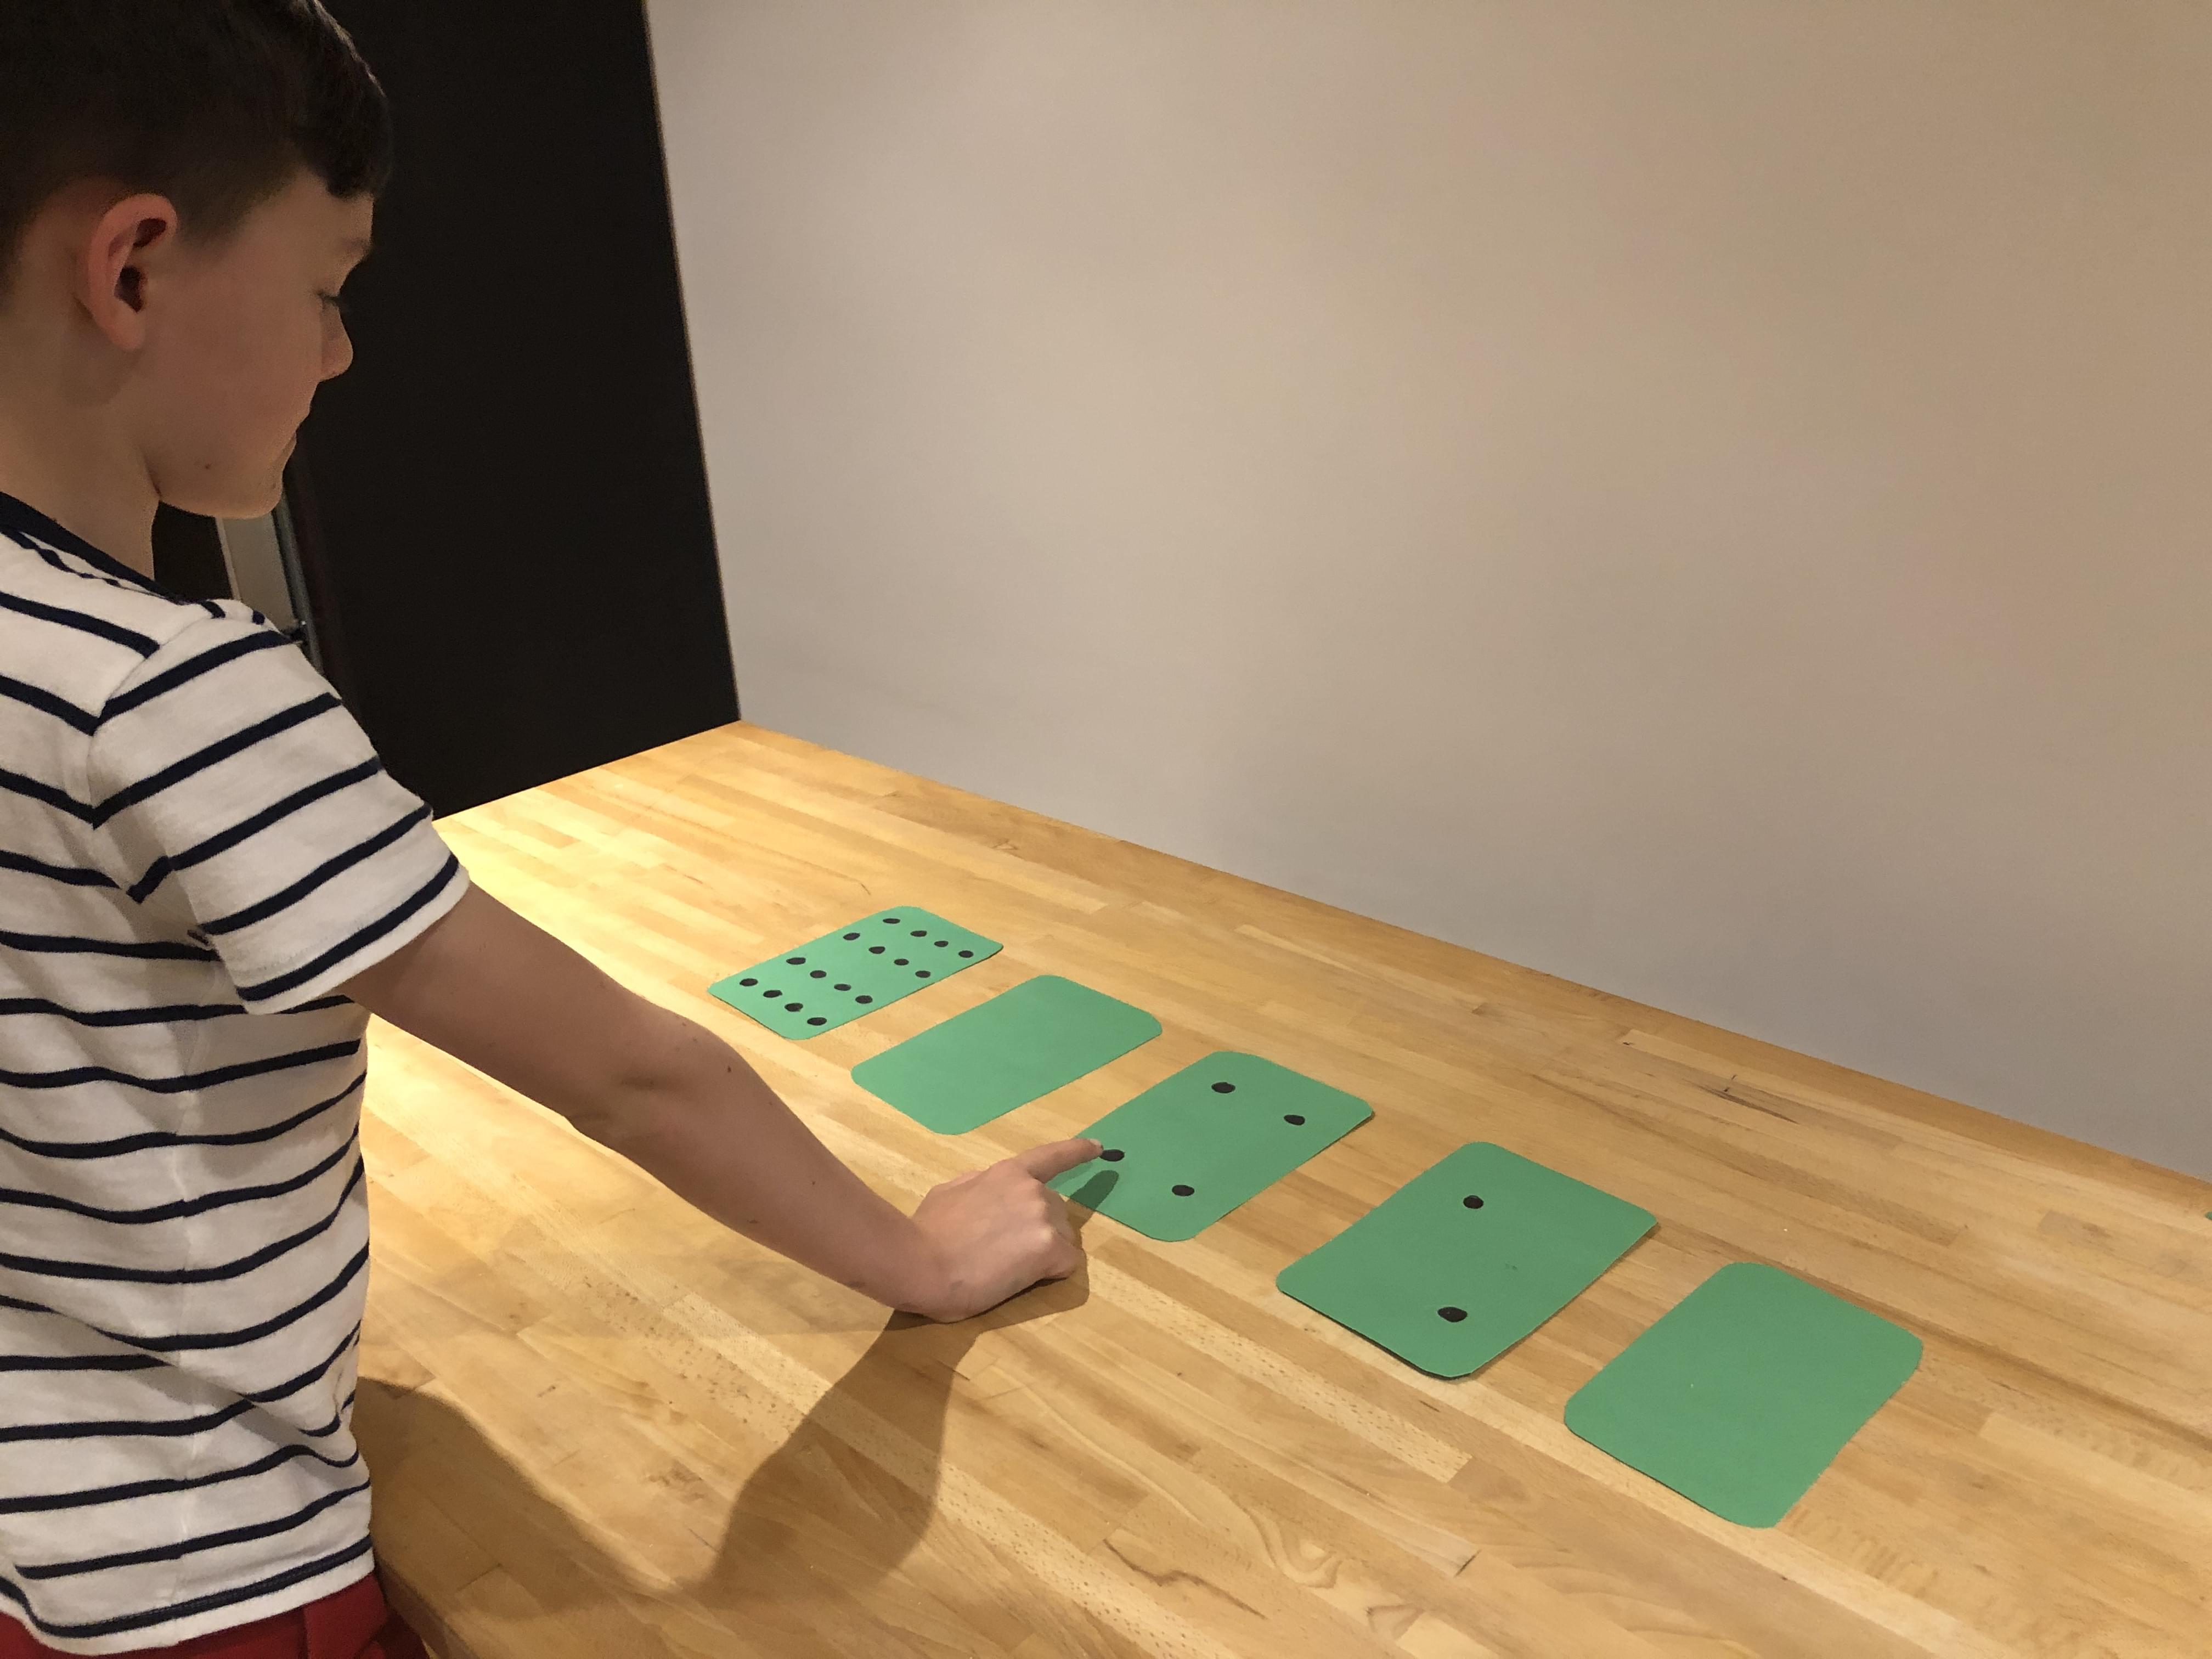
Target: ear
(132,240)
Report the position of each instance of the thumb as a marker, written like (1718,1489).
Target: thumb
(1055,1156)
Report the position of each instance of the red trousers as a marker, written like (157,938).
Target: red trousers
(354,1624)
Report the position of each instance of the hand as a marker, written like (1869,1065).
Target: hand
(993,1232)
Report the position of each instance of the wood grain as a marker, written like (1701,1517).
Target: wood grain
(600,1425)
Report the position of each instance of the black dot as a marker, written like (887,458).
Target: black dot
(922,973)
(1292,1117)
(1452,1314)
(841,987)
(1224,1088)
(748,981)
(1113,1154)
(794,962)
(771,995)
(898,962)
(852,936)
(864,998)
(1471,1201)
(921,933)
(875,950)
(792,1008)
(941,943)
(967,953)
(890,922)
(817,1020)
(1181,1191)
(819,973)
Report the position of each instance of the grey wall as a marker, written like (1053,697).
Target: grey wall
(1709,499)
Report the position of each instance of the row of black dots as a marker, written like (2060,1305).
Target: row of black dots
(775,995)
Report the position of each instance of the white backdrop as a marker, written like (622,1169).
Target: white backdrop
(1712,499)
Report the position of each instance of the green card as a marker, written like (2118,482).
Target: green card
(1467,1258)
(1022,1043)
(1745,1391)
(1187,1151)
(822,984)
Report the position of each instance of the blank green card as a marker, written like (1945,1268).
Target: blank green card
(1467,1258)
(821,985)
(1187,1151)
(1025,1042)
(1745,1391)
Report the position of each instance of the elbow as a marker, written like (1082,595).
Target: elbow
(662,1075)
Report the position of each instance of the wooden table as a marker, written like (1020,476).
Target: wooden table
(601,1425)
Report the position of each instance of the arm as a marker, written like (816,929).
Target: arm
(491,989)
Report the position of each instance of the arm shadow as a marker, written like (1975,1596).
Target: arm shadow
(816,1527)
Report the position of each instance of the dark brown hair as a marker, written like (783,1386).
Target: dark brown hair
(216,104)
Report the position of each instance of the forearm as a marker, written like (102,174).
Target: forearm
(709,1128)
(489,988)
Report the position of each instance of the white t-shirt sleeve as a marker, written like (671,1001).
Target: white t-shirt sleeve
(229,784)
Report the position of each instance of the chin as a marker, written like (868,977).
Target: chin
(240,501)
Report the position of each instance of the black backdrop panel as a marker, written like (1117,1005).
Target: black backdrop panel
(502,507)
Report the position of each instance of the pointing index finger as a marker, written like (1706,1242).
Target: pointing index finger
(1056,1156)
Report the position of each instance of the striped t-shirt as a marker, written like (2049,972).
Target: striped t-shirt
(197,845)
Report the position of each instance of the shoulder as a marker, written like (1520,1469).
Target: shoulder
(84,629)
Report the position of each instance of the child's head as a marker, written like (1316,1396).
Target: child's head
(184,185)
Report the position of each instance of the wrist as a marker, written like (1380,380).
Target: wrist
(915,1278)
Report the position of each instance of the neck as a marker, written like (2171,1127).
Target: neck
(63,454)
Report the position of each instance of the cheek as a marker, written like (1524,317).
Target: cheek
(248,370)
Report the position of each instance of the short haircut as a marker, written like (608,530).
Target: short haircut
(216,104)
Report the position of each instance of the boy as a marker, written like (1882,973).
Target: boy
(207,882)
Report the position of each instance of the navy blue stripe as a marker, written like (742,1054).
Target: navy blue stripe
(201,1342)
(90,1362)
(20,518)
(48,1268)
(181,1208)
(45,793)
(313,1373)
(91,1497)
(185,1083)
(63,565)
(212,1540)
(153,1138)
(236,743)
(95,626)
(175,1013)
(73,875)
(159,870)
(47,703)
(170,678)
(336,864)
(199,1604)
(364,937)
(149,950)
(59,564)
(151,1428)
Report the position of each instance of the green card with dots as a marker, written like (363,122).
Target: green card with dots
(1187,1151)
(1467,1258)
(1022,1043)
(822,984)
(1744,1393)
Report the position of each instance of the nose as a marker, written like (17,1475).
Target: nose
(337,349)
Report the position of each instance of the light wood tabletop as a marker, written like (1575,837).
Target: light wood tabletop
(600,1425)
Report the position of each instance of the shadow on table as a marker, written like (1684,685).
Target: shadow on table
(818,1525)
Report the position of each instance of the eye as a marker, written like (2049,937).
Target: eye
(336,302)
